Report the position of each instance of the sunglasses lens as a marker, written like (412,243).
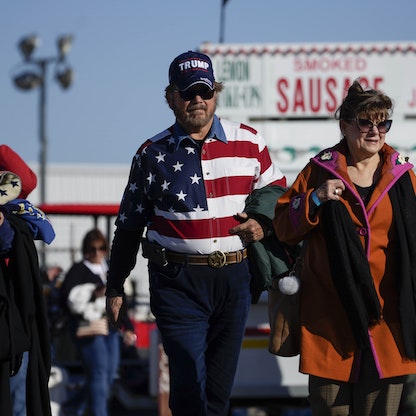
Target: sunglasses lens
(384,126)
(94,249)
(205,94)
(365,125)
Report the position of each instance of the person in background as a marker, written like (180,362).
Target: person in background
(188,185)
(52,277)
(354,205)
(98,343)
(24,371)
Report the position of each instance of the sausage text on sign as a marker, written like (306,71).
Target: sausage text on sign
(302,96)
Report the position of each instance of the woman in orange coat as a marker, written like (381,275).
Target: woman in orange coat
(354,205)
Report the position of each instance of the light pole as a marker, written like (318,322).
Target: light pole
(34,75)
(222,22)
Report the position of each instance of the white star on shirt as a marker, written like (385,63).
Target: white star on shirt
(171,140)
(151,178)
(133,187)
(171,209)
(139,208)
(181,196)
(165,185)
(178,166)
(160,157)
(198,208)
(195,178)
(122,217)
(190,150)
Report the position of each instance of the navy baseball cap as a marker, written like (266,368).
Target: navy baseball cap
(191,68)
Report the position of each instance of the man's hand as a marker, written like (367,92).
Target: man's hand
(113,306)
(249,230)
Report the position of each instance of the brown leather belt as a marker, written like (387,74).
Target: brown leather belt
(216,259)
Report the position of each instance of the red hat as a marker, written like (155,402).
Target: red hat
(12,162)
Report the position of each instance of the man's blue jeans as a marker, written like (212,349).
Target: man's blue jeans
(201,313)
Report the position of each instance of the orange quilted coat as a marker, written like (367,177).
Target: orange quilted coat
(328,348)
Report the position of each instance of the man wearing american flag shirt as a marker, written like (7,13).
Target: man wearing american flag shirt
(187,187)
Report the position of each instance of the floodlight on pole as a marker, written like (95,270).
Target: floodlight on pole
(64,44)
(34,75)
(28,44)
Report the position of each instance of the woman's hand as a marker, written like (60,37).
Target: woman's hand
(330,189)
(99,292)
(129,338)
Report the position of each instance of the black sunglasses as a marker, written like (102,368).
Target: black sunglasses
(366,125)
(189,95)
(93,249)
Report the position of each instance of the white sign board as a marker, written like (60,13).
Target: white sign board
(297,81)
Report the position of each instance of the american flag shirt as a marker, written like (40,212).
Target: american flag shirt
(187,194)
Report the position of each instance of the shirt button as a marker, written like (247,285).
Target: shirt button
(362,231)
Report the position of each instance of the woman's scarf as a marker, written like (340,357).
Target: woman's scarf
(403,200)
(351,272)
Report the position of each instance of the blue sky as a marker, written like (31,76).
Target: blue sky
(121,54)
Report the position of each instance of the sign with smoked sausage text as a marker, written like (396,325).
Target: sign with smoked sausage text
(301,81)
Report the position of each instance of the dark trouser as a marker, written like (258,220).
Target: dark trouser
(370,396)
(201,314)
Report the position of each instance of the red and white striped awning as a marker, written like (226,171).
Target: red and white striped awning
(308,49)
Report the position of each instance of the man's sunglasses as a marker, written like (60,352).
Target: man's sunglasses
(366,125)
(189,95)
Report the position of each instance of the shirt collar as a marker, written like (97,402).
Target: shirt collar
(216,132)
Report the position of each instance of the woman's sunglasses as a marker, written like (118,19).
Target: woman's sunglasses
(93,249)
(366,125)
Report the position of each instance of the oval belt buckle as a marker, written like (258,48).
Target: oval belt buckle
(217,259)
